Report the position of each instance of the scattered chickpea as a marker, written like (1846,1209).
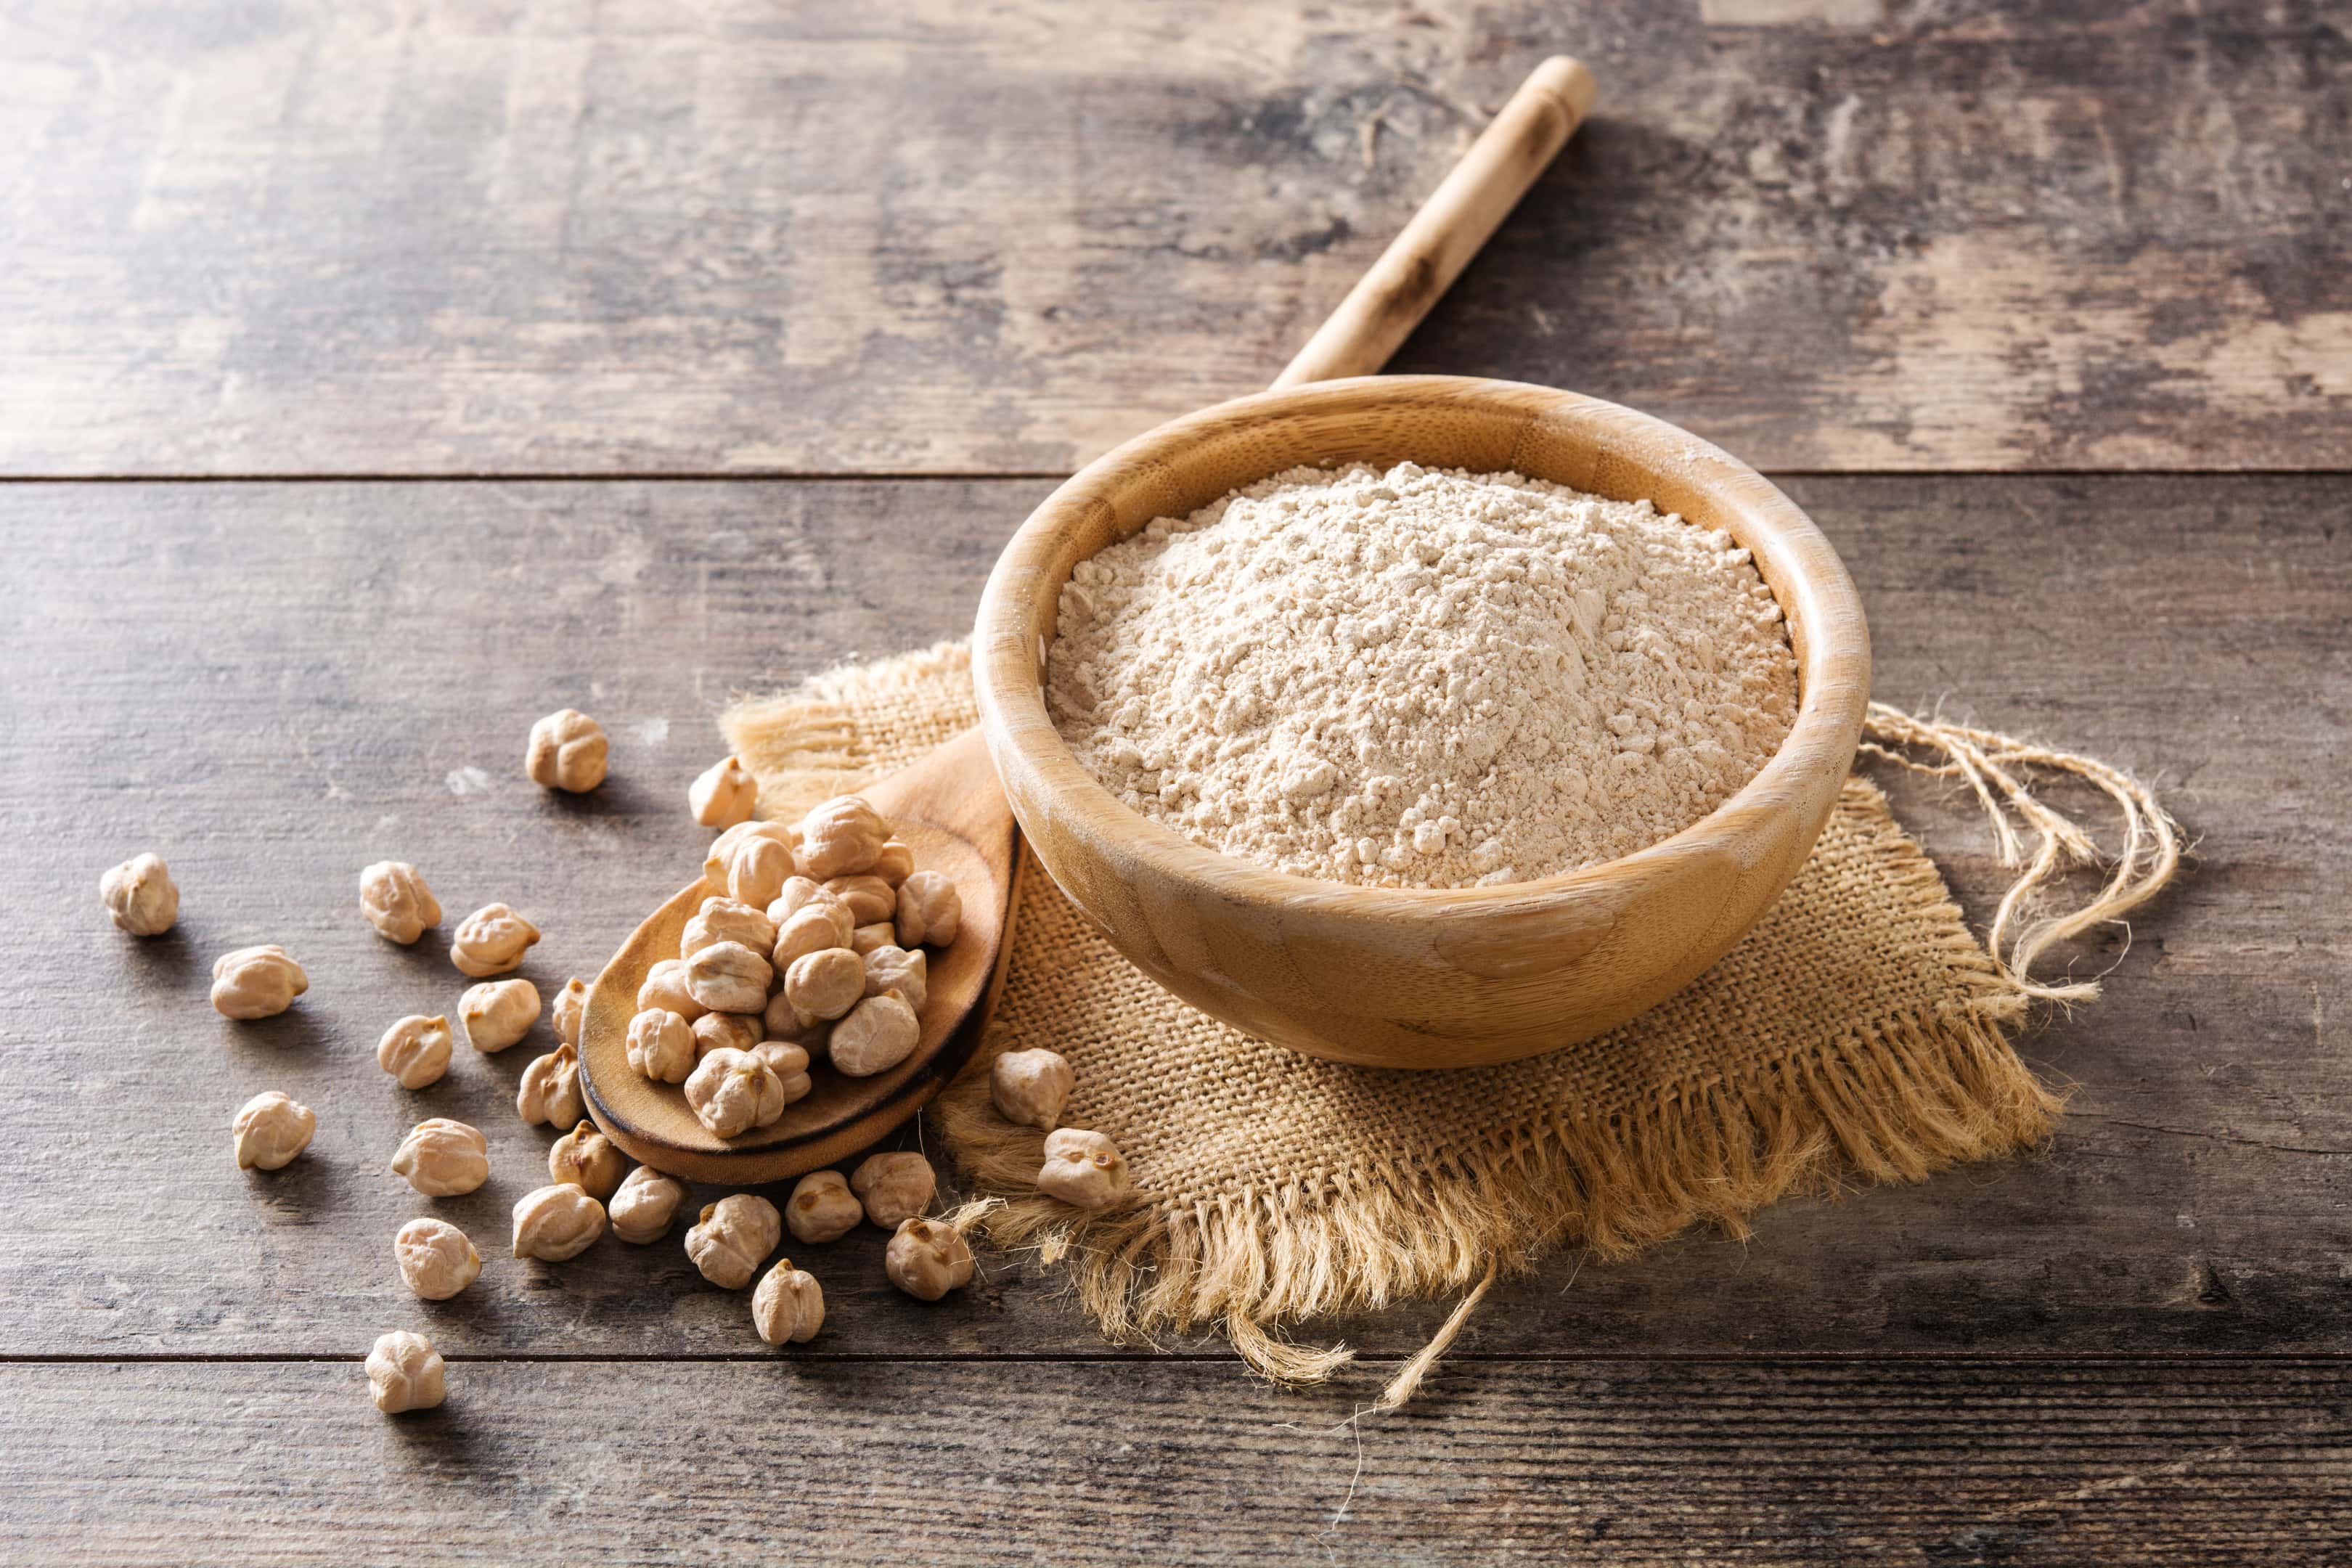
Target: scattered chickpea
(815,927)
(728,977)
(497,1012)
(490,940)
(394,897)
(865,939)
(789,1305)
(435,1258)
(256,982)
(724,919)
(139,896)
(641,1212)
(733,1092)
(724,1032)
(825,984)
(893,863)
(1083,1169)
(927,1259)
(790,1063)
(665,987)
(879,1033)
(660,1046)
(732,1238)
(271,1129)
(570,1012)
(405,1373)
(1030,1087)
(822,1207)
(721,853)
(931,911)
(841,838)
(589,1161)
(556,1223)
(568,751)
(724,794)
(443,1159)
(549,1089)
(415,1050)
(894,1187)
(893,968)
(868,899)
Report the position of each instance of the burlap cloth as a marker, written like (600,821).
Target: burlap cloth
(1859,1033)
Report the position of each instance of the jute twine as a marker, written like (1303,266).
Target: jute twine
(1858,1035)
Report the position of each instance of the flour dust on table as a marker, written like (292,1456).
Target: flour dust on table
(1422,678)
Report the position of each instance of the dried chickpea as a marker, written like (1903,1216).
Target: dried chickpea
(139,896)
(665,988)
(549,1089)
(868,899)
(929,911)
(927,1259)
(782,1024)
(1030,1087)
(825,984)
(589,1161)
(1083,1169)
(724,919)
(405,1373)
(490,940)
(820,923)
(395,900)
(841,838)
(721,853)
(865,939)
(790,1063)
(732,1238)
(797,890)
(894,969)
(570,1012)
(660,1046)
(733,1092)
(894,1186)
(893,863)
(724,1032)
(728,977)
(556,1223)
(568,751)
(437,1259)
(271,1129)
(641,1212)
(879,1033)
(497,1012)
(757,869)
(822,1207)
(257,983)
(415,1050)
(723,794)
(789,1305)
(443,1159)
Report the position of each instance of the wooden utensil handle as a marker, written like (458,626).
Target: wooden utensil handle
(1423,262)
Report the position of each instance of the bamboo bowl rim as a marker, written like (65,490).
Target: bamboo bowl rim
(1820,608)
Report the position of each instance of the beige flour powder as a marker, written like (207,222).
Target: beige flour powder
(1422,678)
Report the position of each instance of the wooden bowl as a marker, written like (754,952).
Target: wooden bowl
(1408,977)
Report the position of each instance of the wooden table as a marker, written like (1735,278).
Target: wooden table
(375,378)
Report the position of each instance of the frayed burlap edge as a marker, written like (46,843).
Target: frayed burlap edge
(1894,1103)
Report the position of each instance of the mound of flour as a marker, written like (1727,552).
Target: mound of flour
(1422,678)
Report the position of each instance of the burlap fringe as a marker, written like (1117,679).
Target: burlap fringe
(1896,1107)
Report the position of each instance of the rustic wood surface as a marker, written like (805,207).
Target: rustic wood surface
(539,249)
(365,237)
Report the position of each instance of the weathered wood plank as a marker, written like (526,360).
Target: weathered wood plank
(1176,1462)
(378,239)
(275,684)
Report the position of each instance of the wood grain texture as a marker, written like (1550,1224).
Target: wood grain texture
(315,236)
(275,684)
(1427,978)
(1178,1463)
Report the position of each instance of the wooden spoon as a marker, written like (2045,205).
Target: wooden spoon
(949,807)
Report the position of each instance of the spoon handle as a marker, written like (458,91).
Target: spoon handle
(1422,263)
